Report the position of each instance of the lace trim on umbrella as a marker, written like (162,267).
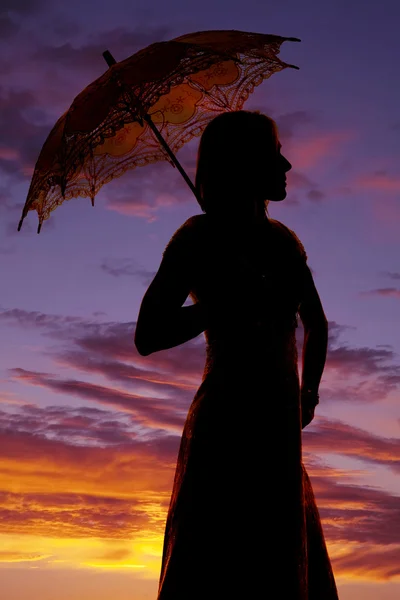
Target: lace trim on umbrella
(75,162)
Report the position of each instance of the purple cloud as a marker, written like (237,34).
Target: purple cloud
(108,349)
(126,267)
(389,291)
(148,411)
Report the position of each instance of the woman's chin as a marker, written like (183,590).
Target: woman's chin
(277,196)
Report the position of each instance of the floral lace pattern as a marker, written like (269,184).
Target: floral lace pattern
(181,84)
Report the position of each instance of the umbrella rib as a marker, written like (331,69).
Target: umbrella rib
(110,60)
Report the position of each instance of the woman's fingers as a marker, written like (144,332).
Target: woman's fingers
(307,415)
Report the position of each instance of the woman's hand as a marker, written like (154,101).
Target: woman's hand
(307,415)
(309,400)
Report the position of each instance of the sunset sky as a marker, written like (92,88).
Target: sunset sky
(89,429)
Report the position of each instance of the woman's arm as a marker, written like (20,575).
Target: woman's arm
(163,322)
(315,343)
(314,347)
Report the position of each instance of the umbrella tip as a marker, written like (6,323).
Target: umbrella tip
(108,57)
(39,227)
(20,224)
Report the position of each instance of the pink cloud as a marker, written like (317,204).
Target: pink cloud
(340,438)
(144,191)
(9,154)
(380,182)
(307,153)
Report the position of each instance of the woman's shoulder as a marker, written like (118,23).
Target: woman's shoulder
(187,232)
(289,235)
(195,222)
(192,226)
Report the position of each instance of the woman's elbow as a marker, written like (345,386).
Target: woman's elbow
(318,326)
(142,350)
(142,345)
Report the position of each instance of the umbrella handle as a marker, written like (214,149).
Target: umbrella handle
(110,60)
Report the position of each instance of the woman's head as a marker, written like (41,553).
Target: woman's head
(239,164)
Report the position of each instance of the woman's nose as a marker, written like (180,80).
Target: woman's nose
(287,165)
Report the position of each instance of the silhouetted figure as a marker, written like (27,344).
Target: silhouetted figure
(242,522)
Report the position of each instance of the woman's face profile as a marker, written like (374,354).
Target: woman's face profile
(266,175)
(243,164)
(275,181)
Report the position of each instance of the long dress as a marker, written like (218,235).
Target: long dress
(242,521)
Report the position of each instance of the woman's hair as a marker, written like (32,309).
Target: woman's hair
(234,153)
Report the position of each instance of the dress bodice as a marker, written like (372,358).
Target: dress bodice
(251,280)
(239,477)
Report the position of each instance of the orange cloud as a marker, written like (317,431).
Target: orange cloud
(67,483)
(380,564)
(99,476)
(17,557)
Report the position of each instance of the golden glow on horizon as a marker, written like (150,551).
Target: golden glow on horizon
(143,553)
(119,566)
(104,509)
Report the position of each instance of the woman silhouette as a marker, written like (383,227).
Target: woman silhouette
(242,521)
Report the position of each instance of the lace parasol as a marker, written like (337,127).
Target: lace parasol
(145,108)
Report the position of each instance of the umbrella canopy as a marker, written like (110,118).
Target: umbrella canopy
(167,91)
